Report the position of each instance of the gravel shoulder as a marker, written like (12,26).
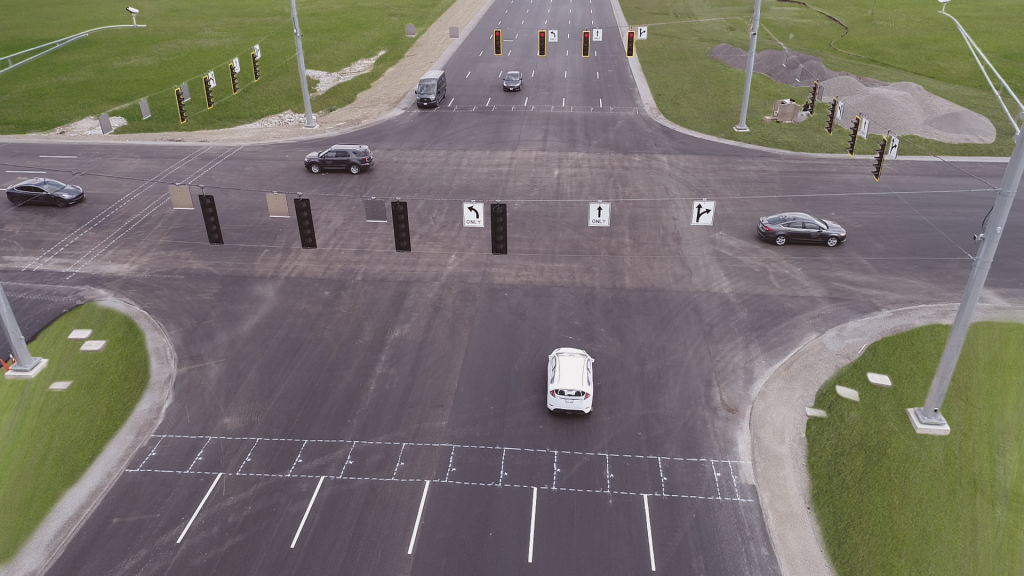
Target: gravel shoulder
(778,423)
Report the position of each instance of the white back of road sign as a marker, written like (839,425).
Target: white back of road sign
(641,33)
(213,81)
(839,111)
(596,35)
(863,132)
(600,213)
(473,214)
(894,146)
(703,213)
(234,62)
(552,35)
(256,49)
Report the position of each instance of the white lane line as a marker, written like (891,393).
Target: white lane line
(25,172)
(662,473)
(600,103)
(717,486)
(450,460)
(546,22)
(196,513)
(533,524)
(248,456)
(521,23)
(509,52)
(527,101)
(310,507)
(501,475)
(650,541)
(468,73)
(481,53)
(199,456)
(607,474)
(566,52)
(563,102)
(599,75)
(500,74)
(348,459)
(416,527)
(532,73)
(399,463)
(524,22)
(298,458)
(554,474)
(41,156)
(566,75)
(488,102)
(450,102)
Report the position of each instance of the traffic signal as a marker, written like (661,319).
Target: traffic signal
(879,158)
(255,68)
(209,92)
(853,136)
(497,42)
(181,105)
(209,209)
(586,43)
(234,78)
(400,216)
(304,216)
(809,105)
(499,229)
(831,120)
(542,43)
(630,44)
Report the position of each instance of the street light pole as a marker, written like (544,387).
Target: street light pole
(928,419)
(742,126)
(310,123)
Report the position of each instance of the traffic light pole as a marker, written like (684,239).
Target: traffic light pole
(742,126)
(310,123)
(928,419)
(25,363)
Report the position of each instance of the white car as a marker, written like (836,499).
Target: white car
(570,381)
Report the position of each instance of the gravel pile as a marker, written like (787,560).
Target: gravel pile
(901,108)
(326,80)
(87,127)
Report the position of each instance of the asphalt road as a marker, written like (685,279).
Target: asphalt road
(332,404)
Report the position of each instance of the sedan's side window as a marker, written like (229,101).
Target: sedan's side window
(792,225)
(342,154)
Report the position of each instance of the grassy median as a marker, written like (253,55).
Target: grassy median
(47,438)
(892,41)
(890,501)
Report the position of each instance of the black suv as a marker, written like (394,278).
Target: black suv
(352,157)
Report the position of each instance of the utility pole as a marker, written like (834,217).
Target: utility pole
(310,123)
(25,365)
(742,126)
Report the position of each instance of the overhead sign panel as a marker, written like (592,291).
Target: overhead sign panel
(641,33)
(600,214)
(894,146)
(552,35)
(863,132)
(597,35)
(473,214)
(703,213)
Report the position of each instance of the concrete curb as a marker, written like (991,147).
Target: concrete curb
(67,516)
(778,422)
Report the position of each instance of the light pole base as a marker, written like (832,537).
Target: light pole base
(934,429)
(741,128)
(307,126)
(15,374)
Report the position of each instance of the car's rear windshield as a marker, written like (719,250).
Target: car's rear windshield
(570,393)
(777,219)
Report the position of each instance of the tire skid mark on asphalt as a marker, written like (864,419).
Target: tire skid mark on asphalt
(104,214)
(135,220)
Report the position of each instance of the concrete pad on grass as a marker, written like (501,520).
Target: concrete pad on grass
(93,345)
(848,393)
(879,380)
(60,386)
(80,334)
(815,413)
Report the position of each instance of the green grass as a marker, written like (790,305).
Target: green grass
(48,439)
(111,70)
(890,40)
(890,501)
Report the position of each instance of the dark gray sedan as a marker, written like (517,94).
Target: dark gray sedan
(513,81)
(800,227)
(45,191)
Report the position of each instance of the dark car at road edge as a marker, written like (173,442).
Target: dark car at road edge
(800,227)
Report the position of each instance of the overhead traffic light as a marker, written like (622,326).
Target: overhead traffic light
(879,159)
(181,105)
(831,120)
(208,86)
(853,136)
(255,68)
(400,216)
(497,42)
(209,209)
(499,229)
(586,43)
(233,67)
(630,44)
(811,99)
(304,216)
(542,43)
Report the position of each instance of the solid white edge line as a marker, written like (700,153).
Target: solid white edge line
(416,527)
(650,541)
(42,156)
(308,508)
(533,524)
(200,507)
(26,172)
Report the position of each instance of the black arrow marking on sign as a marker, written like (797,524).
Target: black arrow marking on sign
(701,212)
(473,210)
(599,211)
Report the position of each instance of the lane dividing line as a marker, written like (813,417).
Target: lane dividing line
(650,541)
(500,74)
(488,102)
(554,473)
(598,74)
(399,463)
(468,73)
(527,101)
(419,515)
(450,102)
(310,507)
(481,53)
(501,475)
(196,513)
(533,524)
(532,74)
(41,156)
(26,172)
(600,103)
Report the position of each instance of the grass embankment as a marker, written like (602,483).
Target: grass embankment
(890,501)
(111,70)
(48,439)
(892,41)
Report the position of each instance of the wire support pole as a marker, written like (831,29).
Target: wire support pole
(310,123)
(742,126)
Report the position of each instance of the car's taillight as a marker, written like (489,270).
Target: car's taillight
(552,393)
(767,228)
(586,396)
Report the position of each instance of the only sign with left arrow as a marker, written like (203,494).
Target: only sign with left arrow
(473,214)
